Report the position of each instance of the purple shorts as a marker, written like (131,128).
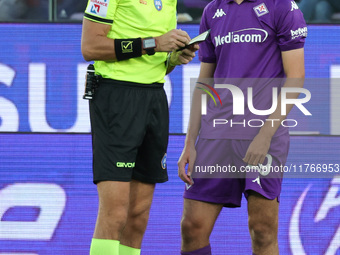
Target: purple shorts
(221,176)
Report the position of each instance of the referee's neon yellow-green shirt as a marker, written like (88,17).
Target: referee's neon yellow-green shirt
(133,19)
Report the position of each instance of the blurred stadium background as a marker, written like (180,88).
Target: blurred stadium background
(48,203)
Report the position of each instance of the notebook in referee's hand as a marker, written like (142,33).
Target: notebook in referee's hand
(198,39)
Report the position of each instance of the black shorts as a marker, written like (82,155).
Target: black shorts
(130,129)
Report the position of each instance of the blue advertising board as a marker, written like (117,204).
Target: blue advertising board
(48,203)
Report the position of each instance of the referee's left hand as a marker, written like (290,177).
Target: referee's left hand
(184,56)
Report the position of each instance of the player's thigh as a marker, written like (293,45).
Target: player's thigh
(198,215)
(141,195)
(262,213)
(113,197)
(113,209)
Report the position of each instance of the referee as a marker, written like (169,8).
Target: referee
(130,43)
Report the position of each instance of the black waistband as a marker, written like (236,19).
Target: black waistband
(130,84)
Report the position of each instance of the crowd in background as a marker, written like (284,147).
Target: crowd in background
(320,11)
(315,11)
(38,10)
(190,10)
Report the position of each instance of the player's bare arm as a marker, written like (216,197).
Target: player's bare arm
(188,154)
(293,64)
(95,45)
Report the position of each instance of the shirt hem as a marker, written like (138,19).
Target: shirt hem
(292,47)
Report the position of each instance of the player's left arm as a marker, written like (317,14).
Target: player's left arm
(294,67)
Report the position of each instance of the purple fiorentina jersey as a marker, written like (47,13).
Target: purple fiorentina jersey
(246,41)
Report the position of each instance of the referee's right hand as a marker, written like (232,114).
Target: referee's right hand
(173,40)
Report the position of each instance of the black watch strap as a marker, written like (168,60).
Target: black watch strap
(150,51)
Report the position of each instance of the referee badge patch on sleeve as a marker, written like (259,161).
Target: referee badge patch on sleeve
(163,161)
(98,7)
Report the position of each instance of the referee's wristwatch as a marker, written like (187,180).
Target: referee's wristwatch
(149,45)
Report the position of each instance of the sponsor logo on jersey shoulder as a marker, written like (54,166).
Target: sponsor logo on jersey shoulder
(98,7)
(219,13)
(300,32)
(158,4)
(261,10)
(294,6)
(247,35)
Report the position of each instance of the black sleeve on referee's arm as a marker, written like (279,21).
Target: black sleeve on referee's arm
(95,18)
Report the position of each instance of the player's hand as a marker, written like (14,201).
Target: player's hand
(184,56)
(172,40)
(257,150)
(188,157)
